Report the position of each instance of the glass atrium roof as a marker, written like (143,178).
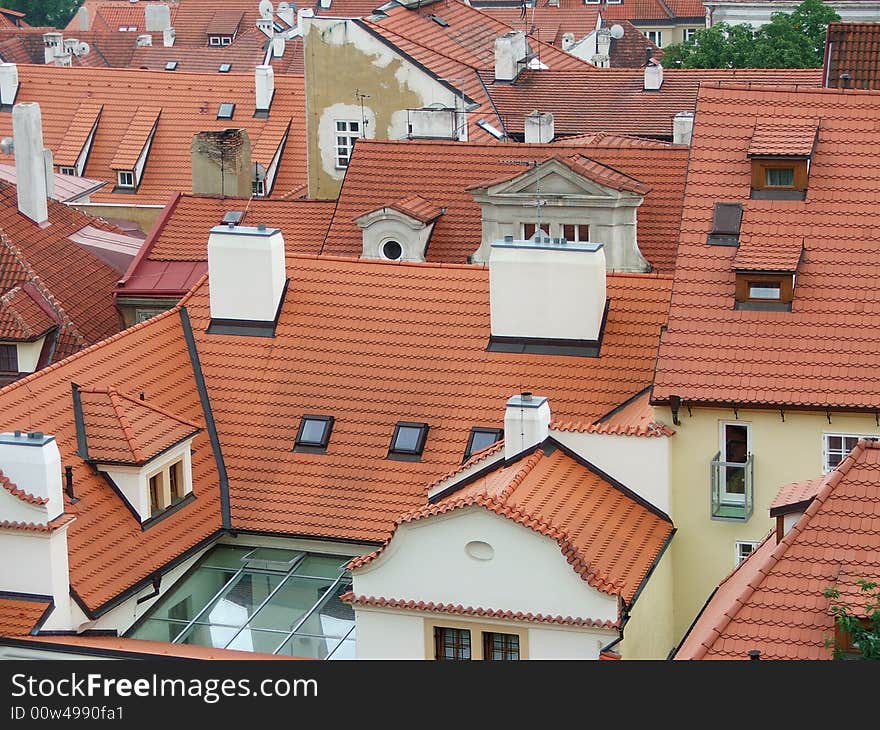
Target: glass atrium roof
(266,600)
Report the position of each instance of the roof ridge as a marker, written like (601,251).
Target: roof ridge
(156,409)
(127,430)
(476,458)
(16,491)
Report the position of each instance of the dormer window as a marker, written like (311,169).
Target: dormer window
(400,230)
(314,434)
(780,155)
(8,358)
(766,272)
(125,178)
(408,441)
(67,170)
(481,438)
(167,487)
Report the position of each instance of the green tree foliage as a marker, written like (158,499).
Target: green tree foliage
(55,13)
(790,40)
(865,631)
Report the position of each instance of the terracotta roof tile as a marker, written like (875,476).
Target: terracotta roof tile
(224,22)
(120,429)
(21,318)
(458,609)
(795,493)
(781,139)
(604,175)
(15,491)
(774,602)
(777,253)
(418,208)
(635,418)
(136,137)
(610,540)
(19,615)
(111,14)
(826,337)
(544,22)
(854,49)
(442,171)
(84,120)
(188,105)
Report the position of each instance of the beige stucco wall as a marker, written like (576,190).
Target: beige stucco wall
(649,633)
(784,452)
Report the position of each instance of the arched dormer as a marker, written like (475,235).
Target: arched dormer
(400,231)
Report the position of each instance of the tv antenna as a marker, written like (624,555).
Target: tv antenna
(539,201)
(361,96)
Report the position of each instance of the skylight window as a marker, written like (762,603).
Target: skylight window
(225,68)
(171,65)
(483,124)
(314,433)
(481,438)
(226,111)
(408,441)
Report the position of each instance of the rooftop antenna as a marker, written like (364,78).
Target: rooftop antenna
(361,96)
(539,201)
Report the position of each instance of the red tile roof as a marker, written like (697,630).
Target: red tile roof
(120,429)
(713,353)
(783,140)
(774,602)
(111,14)
(188,105)
(610,540)
(55,524)
(777,253)
(14,490)
(136,137)
(634,418)
(84,120)
(639,10)
(854,49)
(458,609)
(441,172)
(224,22)
(416,207)
(629,50)
(19,615)
(21,317)
(618,101)
(545,22)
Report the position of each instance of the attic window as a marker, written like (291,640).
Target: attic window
(67,170)
(408,441)
(8,359)
(784,179)
(125,178)
(167,487)
(481,438)
(764,291)
(226,110)
(726,220)
(225,68)
(171,66)
(780,155)
(314,434)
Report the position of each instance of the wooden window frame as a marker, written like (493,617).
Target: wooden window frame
(477,633)
(439,654)
(745,279)
(487,646)
(760,165)
(11,357)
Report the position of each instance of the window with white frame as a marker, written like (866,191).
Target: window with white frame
(836,447)
(125,178)
(743,549)
(258,187)
(688,34)
(347,131)
(656,37)
(214,40)
(67,170)
(167,487)
(575,232)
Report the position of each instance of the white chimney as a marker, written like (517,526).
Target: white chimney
(546,288)
(64,59)
(246,273)
(266,26)
(82,18)
(8,84)
(264,78)
(682,128)
(325,4)
(70,44)
(144,39)
(539,127)
(603,41)
(157,17)
(51,46)
(49,168)
(567,41)
(286,13)
(278,42)
(168,37)
(35,561)
(526,423)
(510,52)
(653,75)
(301,16)
(30,166)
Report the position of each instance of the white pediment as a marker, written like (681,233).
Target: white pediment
(551,178)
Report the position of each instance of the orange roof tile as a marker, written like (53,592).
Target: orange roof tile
(633,418)
(119,429)
(794,494)
(224,22)
(779,253)
(783,140)
(14,490)
(647,10)
(21,317)
(84,120)
(460,610)
(618,100)
(441,172)
(136,136)
(545,22)
(266,146)
(852,48)
(21,614)
(774,602)
(188,106)
(711,352)
(610,540)
(112,14)
(417,208)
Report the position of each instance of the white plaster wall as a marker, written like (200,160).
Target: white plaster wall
(638,462)
(386,635)
(142,158)
(392,226)
(29,355)
(464,474)
(547,643)
(426,560)
(35,470)
(13,509)
(327,132)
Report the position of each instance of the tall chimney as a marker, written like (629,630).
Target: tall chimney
(157,17)
(547,289)
(682,128)
(301,15)
(264,78)
(246,273)
(539,127)
(168,36)
(82,18)
(278,42)
(30,166)
(221,163)
(8,84)
(653,75)
(51,46)
(526,423)
(510,50)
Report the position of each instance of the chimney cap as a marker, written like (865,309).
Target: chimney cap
(23,438)
(754,654)
(526,400)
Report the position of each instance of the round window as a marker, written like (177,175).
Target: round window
(392,250)
(479,550)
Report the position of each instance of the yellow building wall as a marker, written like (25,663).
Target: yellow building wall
(649,633)
(703,550)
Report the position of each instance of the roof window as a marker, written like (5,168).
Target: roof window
(225,68)
(314,434)
(726,221)
(408,441)
(780,155)
(226,110)
(481,438)
(232,217)
(772,291)
(483,124)
(171,66)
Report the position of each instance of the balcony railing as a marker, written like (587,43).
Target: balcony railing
(732,489)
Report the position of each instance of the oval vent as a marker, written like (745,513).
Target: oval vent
(479,550)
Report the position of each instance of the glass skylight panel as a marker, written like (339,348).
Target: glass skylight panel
(225,68)
(226,110)
(481,438)
(314,433)
(409,438)
(171,65)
